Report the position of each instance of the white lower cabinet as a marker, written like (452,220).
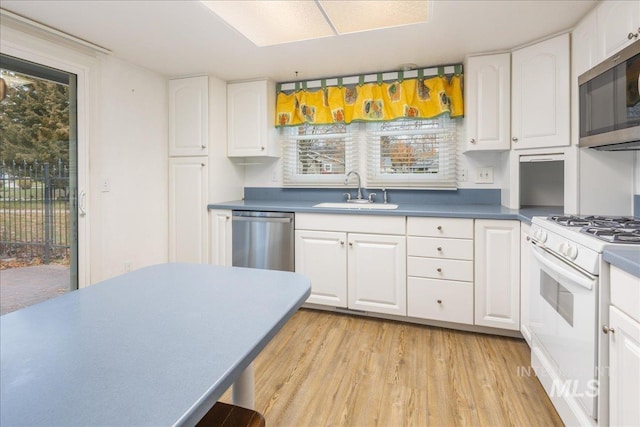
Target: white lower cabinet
(188,191)
(322,256)
(497,273)
(221,229)
(377,273)
(350,267)
(440,269)
(624,349)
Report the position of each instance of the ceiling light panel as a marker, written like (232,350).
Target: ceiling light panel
(268,23)
(352,16)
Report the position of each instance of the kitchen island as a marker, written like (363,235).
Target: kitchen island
(157,346)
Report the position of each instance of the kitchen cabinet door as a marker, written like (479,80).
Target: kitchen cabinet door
(251,119)
(488,102)
(624,369)
(188,178)
(221,229)
(189,116)
(377,273)
(497,273)
(618,25)
(322,257)
(540,95)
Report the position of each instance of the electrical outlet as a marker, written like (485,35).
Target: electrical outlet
(105,186)
(462,175)
(484,175)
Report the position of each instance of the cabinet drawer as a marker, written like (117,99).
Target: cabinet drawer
(440,248)
(443,300)
(456,228)
(625,292)
(446,269)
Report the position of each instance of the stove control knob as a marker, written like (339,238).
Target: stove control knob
(572,252)
(563,248)
(543,236)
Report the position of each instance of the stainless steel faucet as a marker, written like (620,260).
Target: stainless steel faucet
(346,182)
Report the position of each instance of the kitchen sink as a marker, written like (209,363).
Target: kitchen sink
(344,205)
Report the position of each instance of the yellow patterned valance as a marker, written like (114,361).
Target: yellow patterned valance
(372,102)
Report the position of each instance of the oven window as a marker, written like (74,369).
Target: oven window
(557,296)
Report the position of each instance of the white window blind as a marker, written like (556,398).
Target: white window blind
(318,155)
(412,153)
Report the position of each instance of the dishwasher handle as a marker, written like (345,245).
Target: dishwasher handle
(261,219)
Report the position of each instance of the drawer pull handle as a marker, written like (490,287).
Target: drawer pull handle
(607,329)
(439,301)
(439,270)
(439,249)
(439,228)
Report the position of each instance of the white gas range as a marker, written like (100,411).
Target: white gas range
(568,300)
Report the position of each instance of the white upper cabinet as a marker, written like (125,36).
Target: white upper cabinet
(189,116)
(251,119)
(540,94)
(618,25)
(488,102)
(585,52)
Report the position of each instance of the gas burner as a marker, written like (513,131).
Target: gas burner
(614,234)
(596,221)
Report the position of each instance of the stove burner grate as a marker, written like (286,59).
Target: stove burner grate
(614,234)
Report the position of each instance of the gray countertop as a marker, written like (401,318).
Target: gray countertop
(404,209)
(627,259)
(157,346)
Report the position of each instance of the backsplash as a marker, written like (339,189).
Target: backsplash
(439,197)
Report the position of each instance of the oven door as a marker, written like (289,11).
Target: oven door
(564,312)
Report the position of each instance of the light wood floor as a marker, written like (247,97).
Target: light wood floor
(326,369)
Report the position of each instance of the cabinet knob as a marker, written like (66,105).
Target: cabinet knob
(262,148)
(341,242)
(439,301)
(227,218)
(631,36)
(473,140)
(439,270)
(607,329)
(351,244)
(202,164)
(439,228)
(514,139)
(203,146)
(439,249)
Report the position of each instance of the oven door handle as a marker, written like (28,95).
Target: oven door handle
(561,267)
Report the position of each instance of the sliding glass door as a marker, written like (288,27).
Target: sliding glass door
(38,183)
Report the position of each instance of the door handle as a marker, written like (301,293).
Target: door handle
(82,207)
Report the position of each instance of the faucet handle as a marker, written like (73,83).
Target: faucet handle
(384,195)
(371,197)
(348,196)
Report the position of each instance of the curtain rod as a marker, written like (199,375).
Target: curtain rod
(371,77)
(51,30)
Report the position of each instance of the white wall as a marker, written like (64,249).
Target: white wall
(129,222)
(122,137)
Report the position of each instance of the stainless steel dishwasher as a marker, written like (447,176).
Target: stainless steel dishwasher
(263,240)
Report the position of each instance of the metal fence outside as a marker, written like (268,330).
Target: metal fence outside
(34,211)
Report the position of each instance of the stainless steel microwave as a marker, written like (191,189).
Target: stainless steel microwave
(610,102)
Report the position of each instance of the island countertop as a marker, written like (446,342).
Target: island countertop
(157,346)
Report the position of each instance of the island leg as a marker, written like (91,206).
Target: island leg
(243,393)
